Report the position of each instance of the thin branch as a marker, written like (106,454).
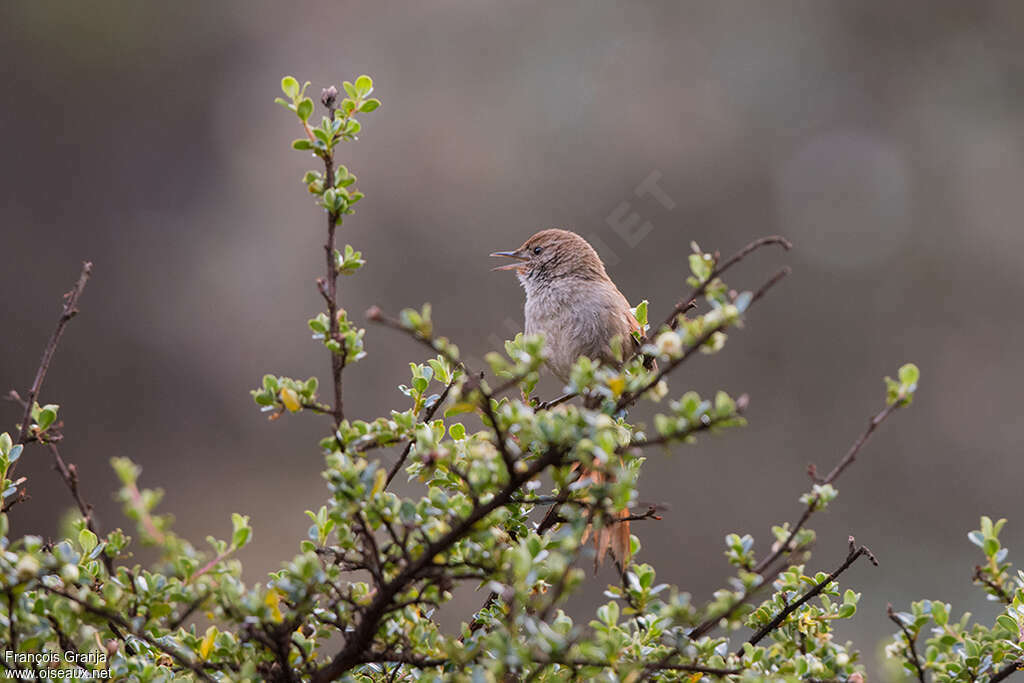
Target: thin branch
(690,301)
(1006,671)
(374,314)
(115,618)
(188,611)
(781,549)
(851,455)
(629,398)
(10,620)
(548,405)
(910,642)
(20,498)
(652,513)
(69,311)
(854,553)
(427,417)
(403,658)
(996,588)
(499,434)
(361,636)
(846,461)
(711,622)
(648,667)
(69,473)
(663,440)
(220,557)
(373,555)
(328,286)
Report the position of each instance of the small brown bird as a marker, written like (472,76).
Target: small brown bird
(571,301)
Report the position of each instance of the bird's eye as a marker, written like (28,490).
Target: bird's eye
(537,250)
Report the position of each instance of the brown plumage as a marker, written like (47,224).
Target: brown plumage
(571,301)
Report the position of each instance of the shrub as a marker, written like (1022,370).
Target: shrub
(358,601)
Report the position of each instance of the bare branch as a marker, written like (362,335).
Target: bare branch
(848,459)
(69,311)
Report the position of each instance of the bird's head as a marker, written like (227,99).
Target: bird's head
(551,255)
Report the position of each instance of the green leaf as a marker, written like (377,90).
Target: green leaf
(302,144)
(369,105)
(939,613)
(1009,623)
(701,265)
(46,417)
(305,109)
(290,87)
(640,313)
(364,84)
(87,540)
(909,374)
(460,408)
(241,537)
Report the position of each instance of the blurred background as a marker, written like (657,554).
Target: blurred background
(884,139)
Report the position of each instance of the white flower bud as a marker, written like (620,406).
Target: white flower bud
(27,567)
(669,344)
(69,573)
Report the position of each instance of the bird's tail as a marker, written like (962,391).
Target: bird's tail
(613,537)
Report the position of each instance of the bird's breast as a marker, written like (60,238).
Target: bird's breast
(575,321)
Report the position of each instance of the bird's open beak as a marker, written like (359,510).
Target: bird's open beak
(510,254)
